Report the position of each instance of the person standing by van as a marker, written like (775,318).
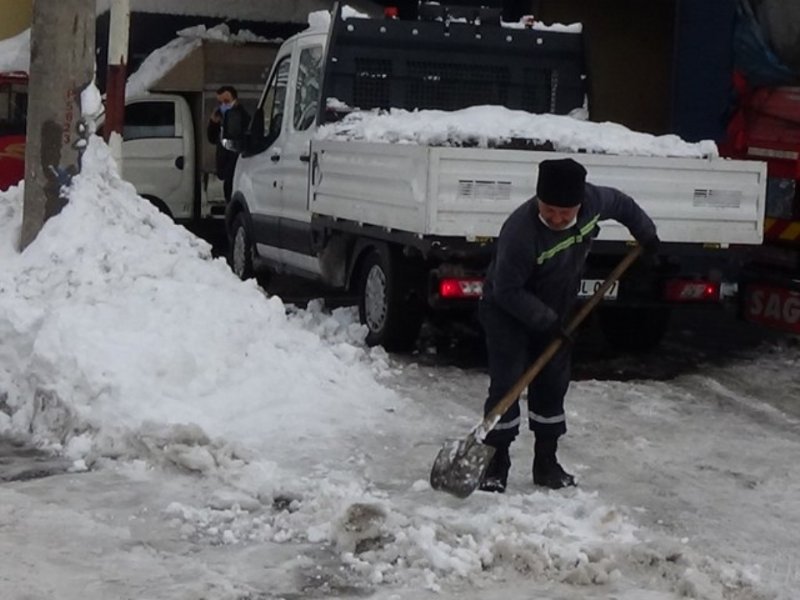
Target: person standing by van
(228,112)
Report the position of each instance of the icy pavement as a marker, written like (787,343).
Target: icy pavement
(689,489)
(20,462)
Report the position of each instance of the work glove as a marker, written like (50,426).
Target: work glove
(558,332)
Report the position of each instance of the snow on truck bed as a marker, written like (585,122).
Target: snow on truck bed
(488,126)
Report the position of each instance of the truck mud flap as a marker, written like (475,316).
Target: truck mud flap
(774,306)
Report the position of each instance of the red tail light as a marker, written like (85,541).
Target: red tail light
(460,288)
(685,290)
(391,12)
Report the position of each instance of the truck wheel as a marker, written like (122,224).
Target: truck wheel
(160,205)
(387,303)
(633,330)
(242,252)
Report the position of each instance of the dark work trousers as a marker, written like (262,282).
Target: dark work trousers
(227,187)
(512,349)
(226,174)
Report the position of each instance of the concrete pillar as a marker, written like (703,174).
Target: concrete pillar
(118,31)
(62,66)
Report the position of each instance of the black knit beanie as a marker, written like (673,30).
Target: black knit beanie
(561,182)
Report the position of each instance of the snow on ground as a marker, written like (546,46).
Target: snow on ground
(485,126)
(237,449)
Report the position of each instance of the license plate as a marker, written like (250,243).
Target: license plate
(590,286)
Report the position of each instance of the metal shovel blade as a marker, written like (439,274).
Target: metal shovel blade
(460,465)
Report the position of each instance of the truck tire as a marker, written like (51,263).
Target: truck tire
(633,330)
(242,250)
(160,205)
(387,304)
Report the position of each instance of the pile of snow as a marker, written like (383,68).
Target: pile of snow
(159,62)
(487,126)
(343,331)
(15,53)
(10,222)
(115,318)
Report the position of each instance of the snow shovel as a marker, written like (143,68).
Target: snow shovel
(460,464)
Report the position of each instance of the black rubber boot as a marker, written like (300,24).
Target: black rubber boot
(496,475)
(546,470)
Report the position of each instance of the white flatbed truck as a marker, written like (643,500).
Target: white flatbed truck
(409,228)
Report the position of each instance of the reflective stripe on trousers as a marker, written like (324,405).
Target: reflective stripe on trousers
(511,350)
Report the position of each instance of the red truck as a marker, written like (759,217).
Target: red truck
(13,110)
(766,127)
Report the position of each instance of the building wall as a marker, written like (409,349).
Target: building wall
(658,66)
(629,53)
(15,17)
(703,69)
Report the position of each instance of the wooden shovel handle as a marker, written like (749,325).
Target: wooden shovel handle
(506,401)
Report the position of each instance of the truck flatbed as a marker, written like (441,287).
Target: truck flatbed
(469,192)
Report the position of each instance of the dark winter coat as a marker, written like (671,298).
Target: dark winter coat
(535,272)
(225,159)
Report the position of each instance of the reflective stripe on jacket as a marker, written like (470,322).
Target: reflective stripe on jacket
(535,272)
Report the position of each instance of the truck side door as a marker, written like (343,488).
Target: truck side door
(259,177)
(295,229)
(158,152)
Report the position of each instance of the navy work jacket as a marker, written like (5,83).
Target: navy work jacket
(535,272)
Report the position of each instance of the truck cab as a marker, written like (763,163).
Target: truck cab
(165,151)
(270,185)
(158,152)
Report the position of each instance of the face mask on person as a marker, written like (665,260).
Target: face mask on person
(225,107)
(562,228)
